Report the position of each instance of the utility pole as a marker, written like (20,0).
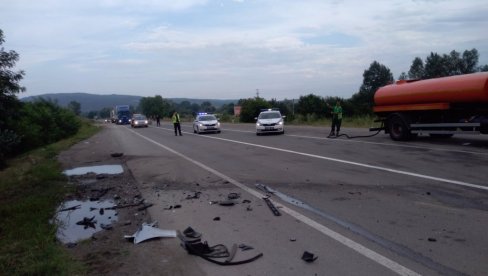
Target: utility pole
(257,93)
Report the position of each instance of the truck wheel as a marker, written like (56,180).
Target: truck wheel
(398,128)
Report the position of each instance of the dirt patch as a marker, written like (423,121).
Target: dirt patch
(107,252)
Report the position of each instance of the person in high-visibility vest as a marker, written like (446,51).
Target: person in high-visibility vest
(336,119)
(176,123)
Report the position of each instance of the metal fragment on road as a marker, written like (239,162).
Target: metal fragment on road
(150,231)
(272,207)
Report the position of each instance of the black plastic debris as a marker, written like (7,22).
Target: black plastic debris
(233,196)
(308,257)
(293,239)
(216,218)
(249,208)
(191,233)
(101,211)
(246,201)
(432,239)
(272,207)
(211,253)
(244,247)
(87,222)
(117,154)
(177,206)
(144,207)
(196,195)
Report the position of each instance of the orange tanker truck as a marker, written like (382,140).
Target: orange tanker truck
(439,107)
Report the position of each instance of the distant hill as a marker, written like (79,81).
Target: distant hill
(95,102)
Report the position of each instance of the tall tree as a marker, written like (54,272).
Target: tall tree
(311,104)
(250,108)
(154,106)
(9,86)
(9,104)
(417,70)
(376,76)
(435,66)
(403,76)
(469,61)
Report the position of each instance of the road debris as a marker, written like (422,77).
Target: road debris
(117,154)
(233,196)
(196,195)
(244,247)
(87,222)
(432,239)
(195,246)
(308,257)
(150,231)
(216,218)
(272,207)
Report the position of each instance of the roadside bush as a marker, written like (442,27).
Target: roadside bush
(8,141)
(44,122)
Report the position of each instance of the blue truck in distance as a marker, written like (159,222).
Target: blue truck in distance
(121,114)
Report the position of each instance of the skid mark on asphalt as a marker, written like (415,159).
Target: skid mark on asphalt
(366,252)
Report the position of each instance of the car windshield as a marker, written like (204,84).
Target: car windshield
(141,117)
(270,115)
(207,118)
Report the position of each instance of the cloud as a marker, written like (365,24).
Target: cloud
(221,48)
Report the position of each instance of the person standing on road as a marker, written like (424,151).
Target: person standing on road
(336,119)
(176,123)
(158,120)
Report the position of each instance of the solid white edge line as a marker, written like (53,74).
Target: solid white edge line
(366,252)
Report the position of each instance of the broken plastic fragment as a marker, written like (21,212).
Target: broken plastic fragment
(308,257)
(149,231)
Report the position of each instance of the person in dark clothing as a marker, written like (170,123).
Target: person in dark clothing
(158,120)
(176,123)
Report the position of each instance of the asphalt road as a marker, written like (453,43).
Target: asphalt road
(365,206)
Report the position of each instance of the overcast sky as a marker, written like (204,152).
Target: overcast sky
(230,49)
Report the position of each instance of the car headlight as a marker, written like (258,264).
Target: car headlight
(145,121)
(258,124)
(280,123)
(120,121)
(200,125)
(136,122)
(218,124)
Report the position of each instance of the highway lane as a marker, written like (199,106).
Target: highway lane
(400,211)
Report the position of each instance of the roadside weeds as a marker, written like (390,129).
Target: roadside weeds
(30,190)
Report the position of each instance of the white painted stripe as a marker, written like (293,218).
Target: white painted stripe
(369,142)
(445,180)
(366,252)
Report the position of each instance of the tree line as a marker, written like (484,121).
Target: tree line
(24,126)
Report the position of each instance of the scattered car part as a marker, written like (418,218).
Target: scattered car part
(271,206)
(196,195)
(150,231)
(244,247)
(87,222)
(233,196)
(216,218)
(308,257)
(210,253)
(116,154)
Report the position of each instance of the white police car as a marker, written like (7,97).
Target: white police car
(270,121)
(206,123)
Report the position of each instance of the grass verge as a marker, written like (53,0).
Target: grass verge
(30,190)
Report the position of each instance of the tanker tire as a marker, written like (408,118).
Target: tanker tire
(398,128)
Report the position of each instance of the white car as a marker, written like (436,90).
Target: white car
(206,123)
(270,121)
(138,120)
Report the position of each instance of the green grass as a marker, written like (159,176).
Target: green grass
(30,190)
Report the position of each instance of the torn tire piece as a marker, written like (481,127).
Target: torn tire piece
(227,203)
(232,253)
(272,207)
